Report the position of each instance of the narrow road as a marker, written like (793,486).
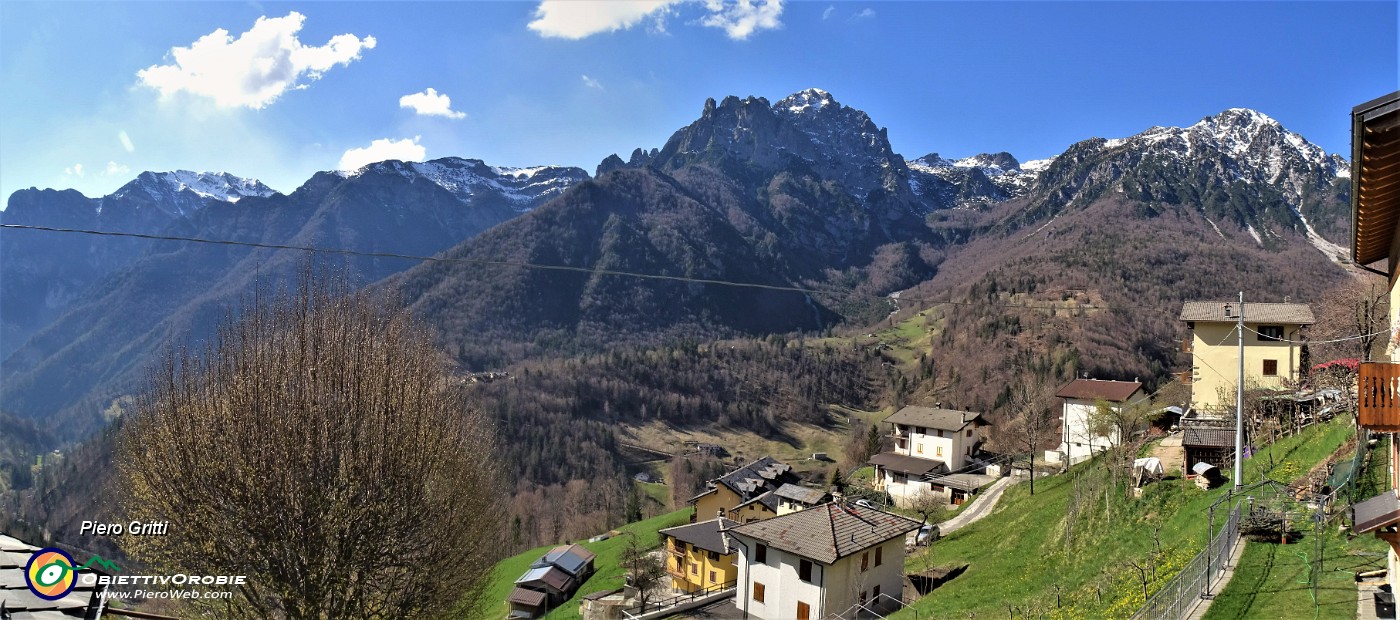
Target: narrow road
(980,507)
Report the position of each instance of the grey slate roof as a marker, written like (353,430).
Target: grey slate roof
(1214,312)
(1208,436)
(944,419)
(704,534)
(754,480)
(23,603)
(828,532)
(903,464)
(800,494)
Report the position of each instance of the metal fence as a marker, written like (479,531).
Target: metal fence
(1176,599)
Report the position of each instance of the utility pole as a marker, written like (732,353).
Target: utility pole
(1239,403)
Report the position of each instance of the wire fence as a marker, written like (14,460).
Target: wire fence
(1193,583)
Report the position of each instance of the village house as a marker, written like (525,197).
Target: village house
(551,580)
(1375,231)
(929,443)
(697,558)
(1272,350)
(747,493)
(794,497)
(1082,431)
(821,562)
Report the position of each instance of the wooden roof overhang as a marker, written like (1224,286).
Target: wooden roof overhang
(1375,178)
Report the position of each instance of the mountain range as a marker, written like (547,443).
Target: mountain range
(803,198)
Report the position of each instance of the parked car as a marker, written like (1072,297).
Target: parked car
(865,504)
(928,533)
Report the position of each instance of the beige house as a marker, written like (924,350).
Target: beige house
(1272,333)
(929,442)
(1375,230)
(828,561)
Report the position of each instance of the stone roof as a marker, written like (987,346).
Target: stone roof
(1214,312)
(1098,389)
(931,417)
(755,480)
(828,532)
(801,494)
(704,535)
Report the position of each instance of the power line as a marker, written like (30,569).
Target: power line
(1273,339)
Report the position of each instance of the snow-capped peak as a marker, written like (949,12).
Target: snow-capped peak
(809,99)
(215,185)
(466,179)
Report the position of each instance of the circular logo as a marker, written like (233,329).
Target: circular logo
(50,573)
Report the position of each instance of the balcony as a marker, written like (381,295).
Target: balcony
(1185,378)
(677,569)
(1378,397)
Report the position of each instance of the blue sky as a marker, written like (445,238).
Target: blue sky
(569,83)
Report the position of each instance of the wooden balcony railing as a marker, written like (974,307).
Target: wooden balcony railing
(1378,397)
(676,569)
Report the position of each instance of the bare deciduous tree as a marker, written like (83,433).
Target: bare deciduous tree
(1359,310)
(319,446)
(1035,421)
(645,570)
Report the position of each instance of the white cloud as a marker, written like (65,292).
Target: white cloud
(255,69)
(741,18)
(407,149)
(865,13)
(592,83)
(114,168)
(576,19)
(76,170)
(126,141)
(430,103)
(831,8)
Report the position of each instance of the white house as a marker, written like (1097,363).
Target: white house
(822,562)
(928,442)
(1079,439)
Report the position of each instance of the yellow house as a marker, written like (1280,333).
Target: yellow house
(1375,235)
(745,494)
(1272,333)
(697,558)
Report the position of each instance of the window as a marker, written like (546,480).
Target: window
(920,430)
(760,554)
(919,448)
(940,432)
(899,478)
(969,432)
(804,571)
(714,556)
(879,555)
(712,576)
(695,569)
(1270,333)
(875,594)
(1270,368)
(862,597)
(804,611)
(938,451)
(865,561)
(758,592)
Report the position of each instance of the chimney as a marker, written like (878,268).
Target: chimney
(719,514)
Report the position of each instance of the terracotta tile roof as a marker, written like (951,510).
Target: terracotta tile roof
(1097,389)
(945,419)
(704,534)
(911,465)
(1214,312)
(828,532)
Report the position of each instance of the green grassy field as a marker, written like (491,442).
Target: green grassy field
(608,573)
(1032,557)
(1272,581)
